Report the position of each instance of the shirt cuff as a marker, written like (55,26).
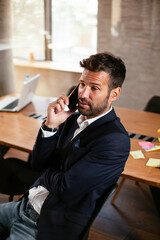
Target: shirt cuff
(47,133)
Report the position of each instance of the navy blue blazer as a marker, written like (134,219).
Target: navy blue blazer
(76,172)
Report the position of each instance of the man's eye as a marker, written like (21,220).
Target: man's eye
(82,84)
(95,88)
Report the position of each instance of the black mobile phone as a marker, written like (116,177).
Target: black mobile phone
(73,98)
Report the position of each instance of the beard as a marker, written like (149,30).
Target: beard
(92,110)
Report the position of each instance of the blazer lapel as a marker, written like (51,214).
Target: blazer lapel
(71,132)
(89,133)
(96,128)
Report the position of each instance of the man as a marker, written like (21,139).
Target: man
(80,156)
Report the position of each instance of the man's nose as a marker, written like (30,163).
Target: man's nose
(85,92)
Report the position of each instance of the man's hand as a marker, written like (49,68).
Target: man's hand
(56,114)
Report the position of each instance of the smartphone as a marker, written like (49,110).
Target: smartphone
(73,98)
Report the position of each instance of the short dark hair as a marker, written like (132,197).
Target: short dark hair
(107,62)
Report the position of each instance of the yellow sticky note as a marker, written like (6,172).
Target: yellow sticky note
(159,139)
(153,162)
(137,154)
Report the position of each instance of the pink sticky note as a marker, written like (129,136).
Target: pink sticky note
(146,145)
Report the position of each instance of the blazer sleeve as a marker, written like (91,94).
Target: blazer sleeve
(43,150)
(100,163)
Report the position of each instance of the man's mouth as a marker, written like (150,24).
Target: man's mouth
(82,103)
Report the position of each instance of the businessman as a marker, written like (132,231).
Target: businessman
(80,154)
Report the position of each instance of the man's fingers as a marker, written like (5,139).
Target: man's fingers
(63,99)
(59,104)
(56,113)
(58,107)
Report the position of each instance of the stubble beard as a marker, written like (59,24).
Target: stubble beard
(93,111)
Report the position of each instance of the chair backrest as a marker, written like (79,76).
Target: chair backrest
(98,207)
(153,105)
(14,178)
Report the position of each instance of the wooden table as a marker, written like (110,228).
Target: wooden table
(143,123)
(139,122)
(19,131)
(147,124)
(137,170)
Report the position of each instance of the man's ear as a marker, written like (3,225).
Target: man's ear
(115,94)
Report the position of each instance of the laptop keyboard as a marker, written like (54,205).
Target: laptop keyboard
(12,104)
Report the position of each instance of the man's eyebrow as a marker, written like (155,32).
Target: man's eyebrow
(97,84)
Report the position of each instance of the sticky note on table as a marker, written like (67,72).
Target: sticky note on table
(156,147)
(153,162)
(148,146)
(137,154)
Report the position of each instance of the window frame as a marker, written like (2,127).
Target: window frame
(48,28)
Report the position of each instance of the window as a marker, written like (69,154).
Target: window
(69,34)
(74,29)
(28,28)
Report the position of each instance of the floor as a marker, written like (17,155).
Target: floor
(133,216)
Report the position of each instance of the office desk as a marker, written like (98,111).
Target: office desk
(139,122)
(137,170)
(19,131)
(143,123)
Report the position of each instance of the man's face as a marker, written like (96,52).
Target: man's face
(93,93)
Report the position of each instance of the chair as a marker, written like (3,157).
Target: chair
(153,105)
(99,205)
(16,176)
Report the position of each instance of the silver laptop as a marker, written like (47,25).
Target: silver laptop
(15,104)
